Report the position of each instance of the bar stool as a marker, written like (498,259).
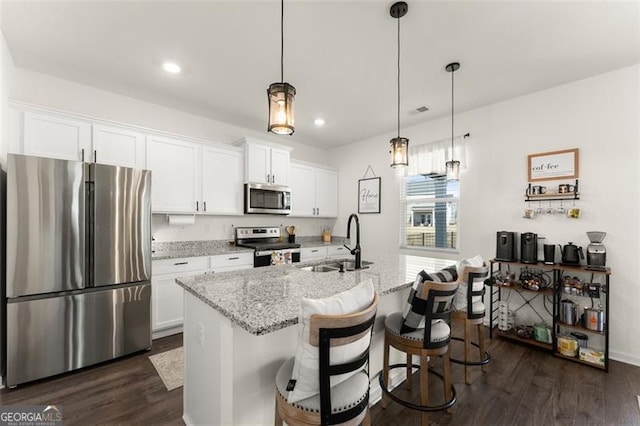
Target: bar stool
(346,403)
(435,300)
(472,279)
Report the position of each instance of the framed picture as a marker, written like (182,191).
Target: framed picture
(553,165)
(369,195)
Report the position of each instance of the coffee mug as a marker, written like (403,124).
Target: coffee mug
(573,213)
(561,210)
(528,214)
(563,188)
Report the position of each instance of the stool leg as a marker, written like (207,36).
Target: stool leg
(385,372)
(409,369)
(278,419)
(424,387)
(367,418)
(446,361)
(467,351)
(481,344)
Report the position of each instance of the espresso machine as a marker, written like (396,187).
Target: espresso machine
(596,253)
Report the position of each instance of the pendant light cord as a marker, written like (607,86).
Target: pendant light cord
(452,73)
(282,41)
(398,77)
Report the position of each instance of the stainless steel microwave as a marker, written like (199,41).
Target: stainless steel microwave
(266,198)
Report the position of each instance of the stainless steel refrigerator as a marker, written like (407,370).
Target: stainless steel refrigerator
(78,259)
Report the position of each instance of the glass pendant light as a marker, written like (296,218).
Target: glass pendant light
(281,95)
(399,146)
(453,166)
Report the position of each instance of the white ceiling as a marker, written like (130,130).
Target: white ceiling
(340,56)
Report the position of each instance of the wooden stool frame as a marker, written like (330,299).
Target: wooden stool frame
(423,348)
(327,331)
(470,319)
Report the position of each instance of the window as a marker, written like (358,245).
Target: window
(429,212)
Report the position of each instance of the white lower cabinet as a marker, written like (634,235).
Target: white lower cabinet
(167,297)
(338,252)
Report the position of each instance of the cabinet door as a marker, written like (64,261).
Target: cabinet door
(258,164)
(174,174)
(118,147)
(279,166)
(55,137)
(222,181)
(302,191)
(168,300)
(326,183)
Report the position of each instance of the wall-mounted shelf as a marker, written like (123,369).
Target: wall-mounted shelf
(555,196)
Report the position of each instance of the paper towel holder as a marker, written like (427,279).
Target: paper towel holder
(181,219)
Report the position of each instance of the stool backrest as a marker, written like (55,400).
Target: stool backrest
(472,275)
(336,330)
(438,299)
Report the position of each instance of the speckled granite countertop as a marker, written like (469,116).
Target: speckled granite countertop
(180,249)
(263,300)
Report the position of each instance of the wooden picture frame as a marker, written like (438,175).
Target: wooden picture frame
(553,165)
(369,195)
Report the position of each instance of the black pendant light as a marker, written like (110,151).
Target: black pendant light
(281,94)
(453,166)
(399,146)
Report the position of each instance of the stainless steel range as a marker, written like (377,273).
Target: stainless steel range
(269,249)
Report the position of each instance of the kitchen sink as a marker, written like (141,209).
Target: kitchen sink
(320,268)
(330,266)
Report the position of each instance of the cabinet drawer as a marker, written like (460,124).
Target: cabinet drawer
(176,266)
(312,252)
(232,260)
(338,251)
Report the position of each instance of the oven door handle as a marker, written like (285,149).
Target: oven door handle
(268,252)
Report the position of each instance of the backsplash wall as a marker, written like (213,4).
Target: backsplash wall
(222,227)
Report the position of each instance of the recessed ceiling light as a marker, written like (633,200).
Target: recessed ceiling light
(319,122)
(171,67)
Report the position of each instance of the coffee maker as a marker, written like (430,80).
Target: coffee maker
(506,246)
(529,247)
(596,253)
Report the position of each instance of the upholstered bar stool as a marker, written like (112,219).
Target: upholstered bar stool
(335,366)
(469,310)
(434,301)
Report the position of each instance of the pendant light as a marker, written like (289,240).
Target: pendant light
(453,166)
(281,94)
(399,146)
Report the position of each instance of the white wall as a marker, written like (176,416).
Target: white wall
(598,115)
(45,90)
(7,70)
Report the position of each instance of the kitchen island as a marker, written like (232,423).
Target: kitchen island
(239,327)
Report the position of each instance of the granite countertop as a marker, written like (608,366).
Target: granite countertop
(263,300)
(182,249)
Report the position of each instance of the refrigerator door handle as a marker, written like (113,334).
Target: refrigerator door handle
(90,232)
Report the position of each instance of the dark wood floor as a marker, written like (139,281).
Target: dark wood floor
(523,386)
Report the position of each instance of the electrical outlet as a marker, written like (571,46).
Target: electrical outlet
(200,334)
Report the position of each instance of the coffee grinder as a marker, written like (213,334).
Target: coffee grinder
(596,253)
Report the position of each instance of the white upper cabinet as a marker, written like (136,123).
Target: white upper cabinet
(53,136)
(174,174)
(118,147)
(314,191)
(222,181)
(266,162)
(56,137)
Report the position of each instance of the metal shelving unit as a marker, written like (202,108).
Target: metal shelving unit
(557,271)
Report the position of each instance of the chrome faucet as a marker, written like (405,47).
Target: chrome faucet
(356,250)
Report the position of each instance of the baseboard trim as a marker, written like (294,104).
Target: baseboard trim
(187,420)
(624,357)
(167,332)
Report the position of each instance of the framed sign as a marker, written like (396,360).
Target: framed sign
(369,195)
(553,165)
